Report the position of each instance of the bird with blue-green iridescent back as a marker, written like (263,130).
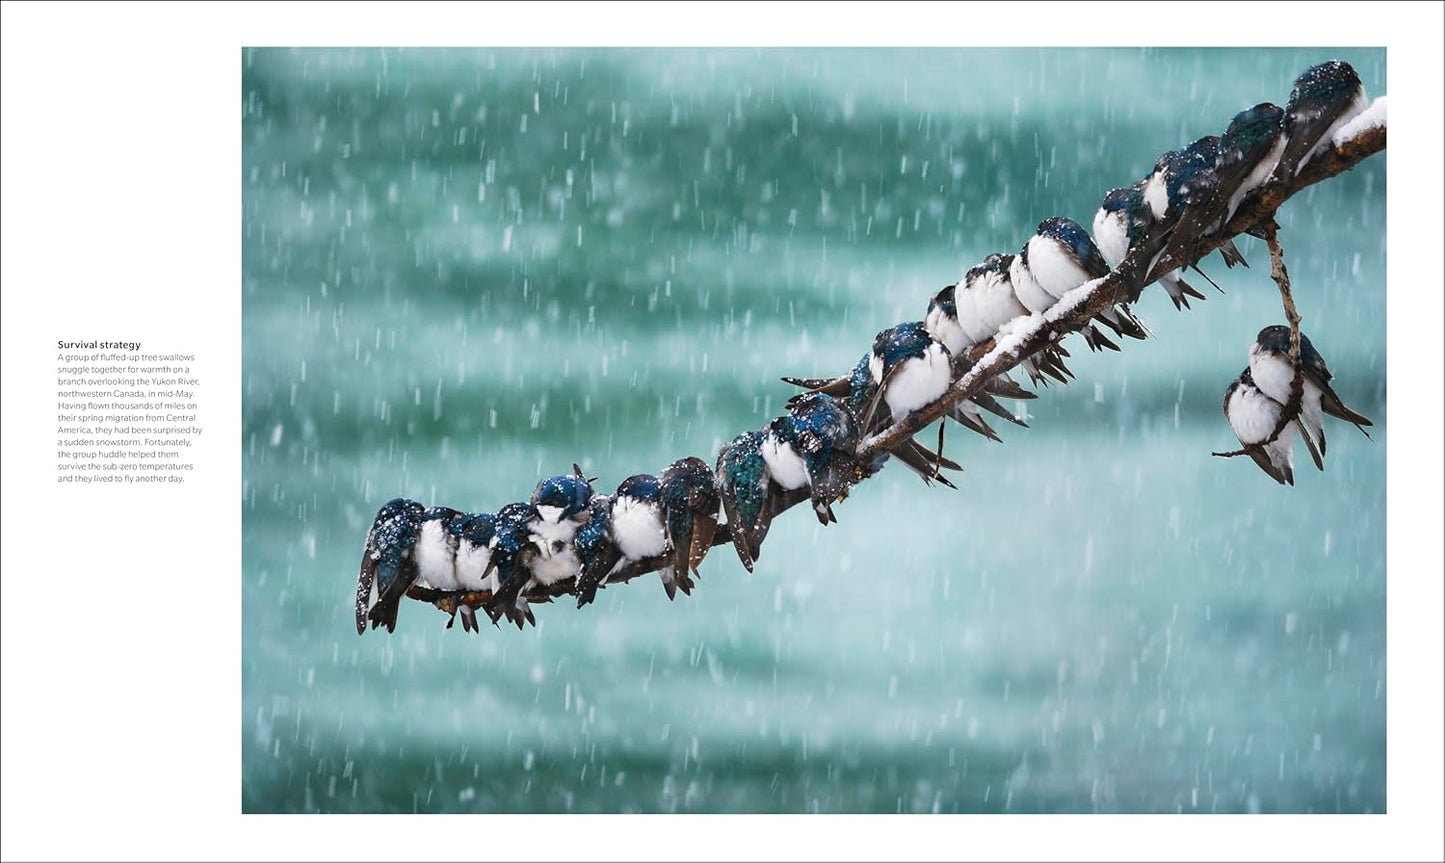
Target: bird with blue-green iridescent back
(750,498)
(690,505)
(1324,98)
(388,563)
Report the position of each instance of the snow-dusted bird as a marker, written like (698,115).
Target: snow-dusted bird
(1060,257)
(452,554)
(532,544)
(1121,220)
(985,300)
(388,563)
(1270,368)
(1324,98)
(749,496)
(690,506)
(513,555)
(910,369)
(639,527)
(1181,179)
(812,446)
(1032,294)
(942,322)
(597,549)
(1248,152)
(865,394)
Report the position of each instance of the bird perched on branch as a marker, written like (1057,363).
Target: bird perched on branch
(513,555)
(690,505)
(1253,416)
(639,526)
(1177,193)
(1324,98)
(597,549)
(1032,294)
(1060,257)
(812,446)
(452,554)
(943,323)
(858,389)
(749,496)
(1248,152)
(909,368)
(959,331)
(388,563)
(985,300)
(1274,375)
(532,543)
(1121,220)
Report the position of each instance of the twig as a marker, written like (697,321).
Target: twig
(1270,232)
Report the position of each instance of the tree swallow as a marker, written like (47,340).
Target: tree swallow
(561,505)
(1120,222)
(452,555)
(749,496)
(1062,256)
(596,548)
(1324,98)
(812,446)
(1253,415)
(1038,300)
(859,390)
(1181,179)
(1248,152)
(990,300)
(1272,373)
(388,563)
(639,525)
(473,536)
(514,552)
(909,368)
(942,322)
(690,506)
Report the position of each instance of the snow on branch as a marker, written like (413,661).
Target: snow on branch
(1077,308)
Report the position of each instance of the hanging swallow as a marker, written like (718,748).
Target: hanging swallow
(1270,368)
(1253,417)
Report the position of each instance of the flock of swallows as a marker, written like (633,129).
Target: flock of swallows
(668,521)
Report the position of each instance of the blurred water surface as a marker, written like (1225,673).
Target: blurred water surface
(464,270)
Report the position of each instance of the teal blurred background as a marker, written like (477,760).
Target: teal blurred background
(464,270)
